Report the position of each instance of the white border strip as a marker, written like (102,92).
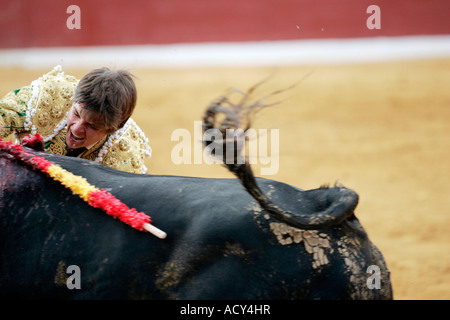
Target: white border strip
(276,53)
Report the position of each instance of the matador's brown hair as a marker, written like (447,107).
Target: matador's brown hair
(111,95)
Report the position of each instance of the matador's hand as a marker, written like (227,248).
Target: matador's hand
(35,142)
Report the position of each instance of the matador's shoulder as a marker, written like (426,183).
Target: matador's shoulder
(126,149)
(50,100)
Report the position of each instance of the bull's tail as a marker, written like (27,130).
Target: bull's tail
(336,204)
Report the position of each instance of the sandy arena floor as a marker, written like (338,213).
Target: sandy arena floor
(380,129)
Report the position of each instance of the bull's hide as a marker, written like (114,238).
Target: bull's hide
(220,243)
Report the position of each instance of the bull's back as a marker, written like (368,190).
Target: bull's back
(220,244)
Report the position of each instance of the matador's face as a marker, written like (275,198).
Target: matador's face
(82,128)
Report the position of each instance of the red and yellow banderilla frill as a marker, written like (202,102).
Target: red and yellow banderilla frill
(97,198)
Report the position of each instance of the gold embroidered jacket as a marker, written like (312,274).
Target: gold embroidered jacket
(42,108)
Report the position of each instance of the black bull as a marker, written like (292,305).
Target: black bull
(221,244)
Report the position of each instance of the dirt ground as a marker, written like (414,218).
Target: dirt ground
(381,129)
